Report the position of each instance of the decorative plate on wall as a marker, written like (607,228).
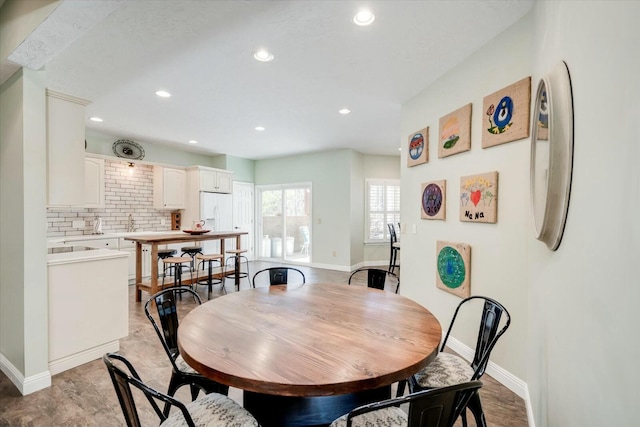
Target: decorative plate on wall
(128,149)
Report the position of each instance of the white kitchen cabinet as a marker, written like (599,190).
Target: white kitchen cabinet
(169,186)
(200,178)
(130,247)
(65,149)
(94,182)
(214,181)
(88,310)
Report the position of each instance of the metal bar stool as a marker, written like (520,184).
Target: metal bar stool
(191,251)
(165,253)
(237,257)
(210,280)
(177,264)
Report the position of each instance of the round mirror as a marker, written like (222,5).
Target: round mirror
(552,155)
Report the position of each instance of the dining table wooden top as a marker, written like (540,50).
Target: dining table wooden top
(316,339)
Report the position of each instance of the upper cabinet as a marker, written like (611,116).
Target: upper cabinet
(169,186)
(211,180)
(65,149)
(94,182)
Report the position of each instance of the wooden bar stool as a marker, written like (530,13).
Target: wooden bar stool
(177,263)
(237,257)
(210,280)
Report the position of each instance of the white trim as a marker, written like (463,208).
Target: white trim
(498,373)
(82,357)
(24,385)
(329,266)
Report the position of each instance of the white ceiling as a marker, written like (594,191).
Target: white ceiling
(202,52)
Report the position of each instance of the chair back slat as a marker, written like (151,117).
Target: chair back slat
(168,315)
(392,233)
(489,323)
(278,275)
(165,302)
(376,278)
(488,333)
(123,381)
(438,407)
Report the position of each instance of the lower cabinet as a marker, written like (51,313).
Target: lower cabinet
(88,310)
(130,247)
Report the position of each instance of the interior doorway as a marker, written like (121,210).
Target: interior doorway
(284,222)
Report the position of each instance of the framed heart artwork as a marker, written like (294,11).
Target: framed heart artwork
(479,198)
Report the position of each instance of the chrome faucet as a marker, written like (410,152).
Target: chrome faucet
(131,226)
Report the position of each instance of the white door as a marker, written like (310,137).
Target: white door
(243,214)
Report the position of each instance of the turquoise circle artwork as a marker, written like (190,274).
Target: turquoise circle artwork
(451,267)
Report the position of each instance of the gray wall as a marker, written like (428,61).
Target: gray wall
(573,338)
(24,336)
(498,260)
(583,299)
(338,209)
(327,172)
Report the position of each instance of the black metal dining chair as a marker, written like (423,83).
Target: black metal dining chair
(394,247)
(449,369)
(278,275)
(429,408)
(376,278)
(214,409)
(182,374)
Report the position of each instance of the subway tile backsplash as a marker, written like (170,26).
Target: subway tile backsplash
(127,191)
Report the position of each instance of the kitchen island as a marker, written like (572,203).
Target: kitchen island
(88,304)
(151,286)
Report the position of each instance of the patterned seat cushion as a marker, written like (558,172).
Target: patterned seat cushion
(184,366)
(387,417)
(213,410)
(447,369)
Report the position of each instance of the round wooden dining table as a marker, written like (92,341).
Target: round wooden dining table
(306,354)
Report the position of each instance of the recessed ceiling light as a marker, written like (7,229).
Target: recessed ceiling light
(259,128)
(364,17)
(163,94)
(95,119)
(263,55)
(193,141)
(344,111)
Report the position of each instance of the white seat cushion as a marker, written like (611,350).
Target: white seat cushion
(387,417)
(447,369)
(213,410)
(184,366)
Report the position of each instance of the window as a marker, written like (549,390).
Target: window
(382,208)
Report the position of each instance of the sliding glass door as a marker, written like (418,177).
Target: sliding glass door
(285,222)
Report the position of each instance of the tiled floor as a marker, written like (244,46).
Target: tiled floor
(84,396)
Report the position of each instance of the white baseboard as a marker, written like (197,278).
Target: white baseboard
(498,373)
(77,359)
(24,385)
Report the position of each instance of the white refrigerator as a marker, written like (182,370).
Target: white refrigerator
(216,209)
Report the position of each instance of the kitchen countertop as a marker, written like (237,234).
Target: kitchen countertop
(65,254)
(58,239)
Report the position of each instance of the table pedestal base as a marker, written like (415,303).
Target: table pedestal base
(292,411)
